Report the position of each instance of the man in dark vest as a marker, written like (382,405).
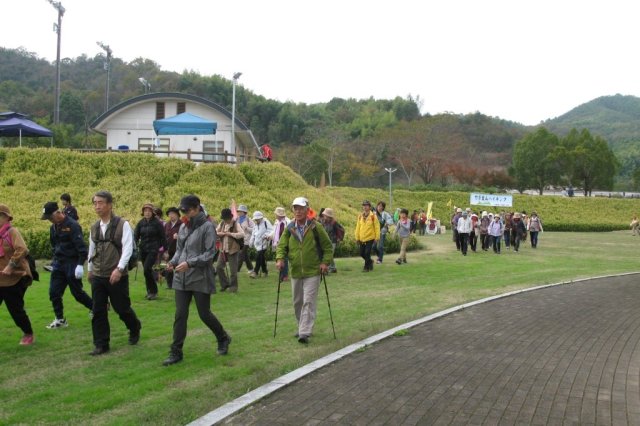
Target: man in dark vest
(69,255)
(110,247)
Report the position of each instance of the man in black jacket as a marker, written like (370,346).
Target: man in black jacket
(69,254)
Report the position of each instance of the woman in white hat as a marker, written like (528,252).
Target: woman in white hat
(260,241)
(279,226)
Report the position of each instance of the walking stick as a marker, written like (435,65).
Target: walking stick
(275,326)
(326,290)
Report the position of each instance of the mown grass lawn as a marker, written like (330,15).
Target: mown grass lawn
(55,381)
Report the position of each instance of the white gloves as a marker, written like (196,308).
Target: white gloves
(79,271)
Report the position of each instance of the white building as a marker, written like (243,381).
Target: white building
(129,125)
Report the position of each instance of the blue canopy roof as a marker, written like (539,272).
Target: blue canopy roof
(184,124)
(16,124)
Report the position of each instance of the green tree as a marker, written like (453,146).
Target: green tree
(589,160)
(535,163)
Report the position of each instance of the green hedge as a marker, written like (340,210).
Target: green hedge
(31,177)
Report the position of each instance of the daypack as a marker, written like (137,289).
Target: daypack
(133,260)
(240,241)
(339,231)
(30,260)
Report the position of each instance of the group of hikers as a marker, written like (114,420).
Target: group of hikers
(469,227)
(188,243)
(190,249)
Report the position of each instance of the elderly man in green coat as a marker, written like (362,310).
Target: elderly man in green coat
(309,249)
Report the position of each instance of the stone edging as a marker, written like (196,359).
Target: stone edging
(251,397)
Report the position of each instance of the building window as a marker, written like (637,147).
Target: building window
(159,110)
(213,150)
(149,144)
(182,107)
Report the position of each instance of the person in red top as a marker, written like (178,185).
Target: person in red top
(267,153)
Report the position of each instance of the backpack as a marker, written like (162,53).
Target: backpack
(240,241)
(30,261)
(133,260)
(339,231)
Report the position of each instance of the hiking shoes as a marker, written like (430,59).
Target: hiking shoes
(27,340)
(58,323)
(173,358)
(223,345)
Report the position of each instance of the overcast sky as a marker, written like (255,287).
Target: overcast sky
(524,61)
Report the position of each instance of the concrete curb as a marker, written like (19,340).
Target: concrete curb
(249,398)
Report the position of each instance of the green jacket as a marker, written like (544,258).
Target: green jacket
(304,260)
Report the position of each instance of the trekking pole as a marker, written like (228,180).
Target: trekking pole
(275,326)
(326,290)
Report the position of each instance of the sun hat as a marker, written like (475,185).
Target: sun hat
(49,209)
(243,208)
(4,209)
(458,210)
(279,211)
(148,206)
(328,212)
(257,215)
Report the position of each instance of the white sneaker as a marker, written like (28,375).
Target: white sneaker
(58,323)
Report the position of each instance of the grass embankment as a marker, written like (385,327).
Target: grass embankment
(56,382)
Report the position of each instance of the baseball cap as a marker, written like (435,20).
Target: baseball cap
(49,209)
(300,201)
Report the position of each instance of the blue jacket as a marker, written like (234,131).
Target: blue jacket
(67,242)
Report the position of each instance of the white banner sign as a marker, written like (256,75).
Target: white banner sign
(498,200)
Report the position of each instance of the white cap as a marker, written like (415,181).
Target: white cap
(257,215)
(300,201)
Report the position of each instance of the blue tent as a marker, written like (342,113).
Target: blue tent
(16,124)
(184,124)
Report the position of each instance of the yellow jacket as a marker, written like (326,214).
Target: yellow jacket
(368,229)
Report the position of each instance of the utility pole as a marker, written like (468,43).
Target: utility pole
(57,28)
(236,76)
(107,68)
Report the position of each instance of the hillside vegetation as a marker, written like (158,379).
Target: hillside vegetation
(29,178)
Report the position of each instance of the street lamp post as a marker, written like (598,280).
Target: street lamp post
(146,84)
(236,76)
(107,67)
(57,28)
(390,171)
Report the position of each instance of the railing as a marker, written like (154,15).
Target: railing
(195,156)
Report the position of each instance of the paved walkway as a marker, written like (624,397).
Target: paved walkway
(568,354)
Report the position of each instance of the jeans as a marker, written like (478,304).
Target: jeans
(103,292)
(203,304)
(379,248)
(496,243)
(534,238)
(473,240)
(149,259)
(13,297)
(63,274)
(507,238)
(365,253)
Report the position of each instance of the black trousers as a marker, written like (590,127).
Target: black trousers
(149,259)
(203,304)
(261,261)
(464,242)
(244,258)
(103,292)
(13,297)
(473,241)
(365,253)
(456,237)
(63,275)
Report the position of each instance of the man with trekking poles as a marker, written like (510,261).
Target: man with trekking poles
(308,247)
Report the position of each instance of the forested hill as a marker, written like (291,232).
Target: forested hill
(615,118)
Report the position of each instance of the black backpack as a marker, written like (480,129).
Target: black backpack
(133,260)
